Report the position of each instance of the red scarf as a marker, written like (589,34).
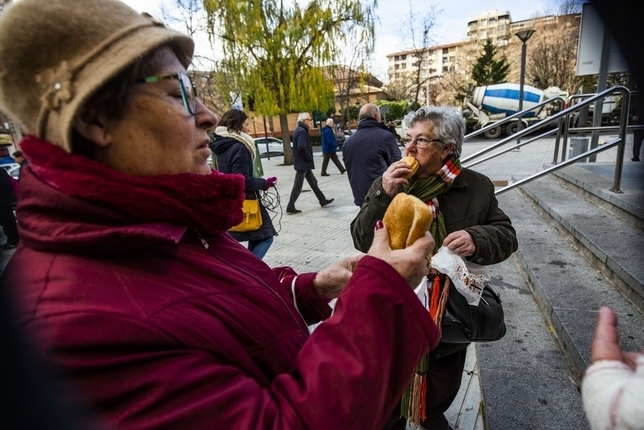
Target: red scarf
(208,203)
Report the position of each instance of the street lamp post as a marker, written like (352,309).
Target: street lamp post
(523,35)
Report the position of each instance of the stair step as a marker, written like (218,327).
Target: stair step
(567,287)
(628,205)
(526,380)
(611,243)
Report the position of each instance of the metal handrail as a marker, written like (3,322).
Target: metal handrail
(620,142)
(563,164)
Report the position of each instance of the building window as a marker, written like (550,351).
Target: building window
(397,66)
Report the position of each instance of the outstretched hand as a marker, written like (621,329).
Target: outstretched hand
(605,344)
(411,263)
(331,280)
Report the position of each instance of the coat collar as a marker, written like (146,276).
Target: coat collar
(71,199)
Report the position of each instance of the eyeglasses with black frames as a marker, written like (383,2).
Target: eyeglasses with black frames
(421,142)
(186,86)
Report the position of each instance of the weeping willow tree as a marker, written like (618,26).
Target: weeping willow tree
(276,52)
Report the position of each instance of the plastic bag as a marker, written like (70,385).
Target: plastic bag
(468,278)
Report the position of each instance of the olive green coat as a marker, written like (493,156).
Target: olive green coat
(468,205)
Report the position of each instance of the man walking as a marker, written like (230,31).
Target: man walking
(303,164)
(329,148)
(368,152)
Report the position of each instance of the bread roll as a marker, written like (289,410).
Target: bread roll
(407,218)
(413,165)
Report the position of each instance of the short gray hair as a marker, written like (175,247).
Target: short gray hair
(448,122)
(329,121)
(303,116)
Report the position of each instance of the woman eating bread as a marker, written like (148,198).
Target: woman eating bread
(467,220)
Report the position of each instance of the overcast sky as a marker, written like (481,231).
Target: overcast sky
(451,22)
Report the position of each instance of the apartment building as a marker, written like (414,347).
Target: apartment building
(436,61)
(492,24)
(433,62)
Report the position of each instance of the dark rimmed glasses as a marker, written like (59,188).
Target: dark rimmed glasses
(187,88)
(421,142)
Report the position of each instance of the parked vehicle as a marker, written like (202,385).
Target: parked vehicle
(611,110)
(493,103)
(269,146)
(12,168)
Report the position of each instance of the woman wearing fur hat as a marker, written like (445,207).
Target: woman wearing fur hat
(235,152)
(126,275)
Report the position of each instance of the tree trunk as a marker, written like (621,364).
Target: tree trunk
(286,138)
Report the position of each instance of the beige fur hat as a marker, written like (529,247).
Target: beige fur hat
(54,54)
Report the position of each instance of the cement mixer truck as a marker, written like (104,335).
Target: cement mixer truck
(492,103)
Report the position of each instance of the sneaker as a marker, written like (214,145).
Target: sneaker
(635,159)
(293,211)
(326,202)
(325,174)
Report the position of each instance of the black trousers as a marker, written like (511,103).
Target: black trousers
(334,157)
(297,188)
(638,136)
(8,223)
(443,382)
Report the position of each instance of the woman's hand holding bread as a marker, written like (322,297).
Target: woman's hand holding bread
(397,174)
(411,262)
(402,240)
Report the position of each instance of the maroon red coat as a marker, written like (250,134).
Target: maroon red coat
(157,331)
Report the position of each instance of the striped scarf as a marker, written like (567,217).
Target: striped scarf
(429,189)
(413,400)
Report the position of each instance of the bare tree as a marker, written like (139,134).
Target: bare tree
(349,76)
(552,50)
(417,33)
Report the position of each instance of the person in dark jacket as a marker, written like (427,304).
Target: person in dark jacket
(303,164)
(636,112)
(235,153)
(5,158)
(467,220)
(20,159)
(7,217)
(329,148)
(368,152)
(126,277)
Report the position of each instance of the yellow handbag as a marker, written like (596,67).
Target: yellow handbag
(252,217)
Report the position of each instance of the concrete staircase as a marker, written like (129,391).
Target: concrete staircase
(580,247)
